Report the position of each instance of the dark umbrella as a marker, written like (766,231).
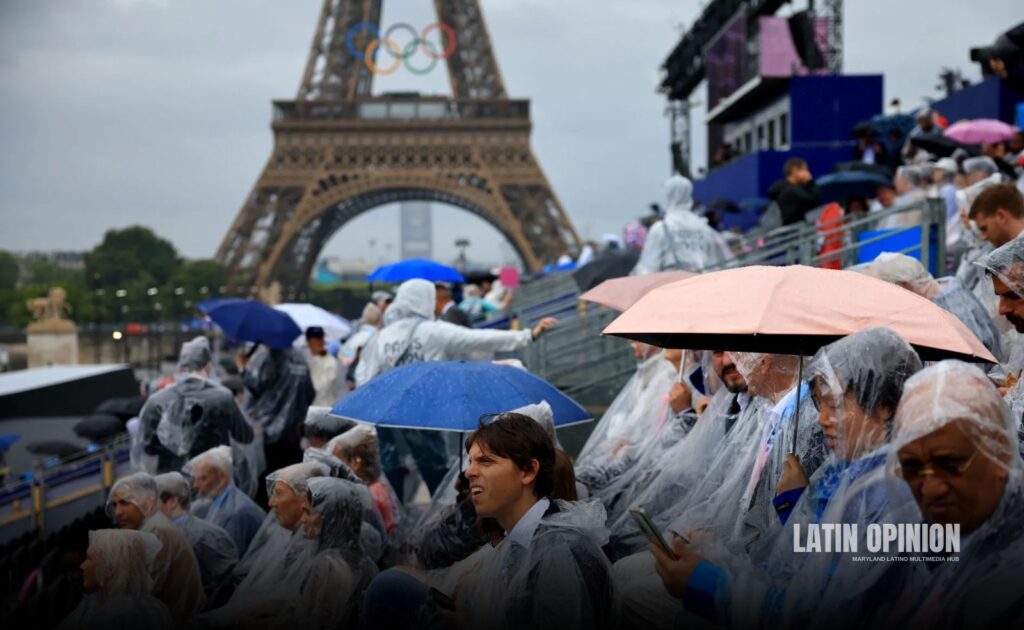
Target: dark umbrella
(476,277)
(942,146)
(51,448)
(850,184)
(99,427)
(863,128)
(123,408)
(902,124)
(863,167)
(606,265)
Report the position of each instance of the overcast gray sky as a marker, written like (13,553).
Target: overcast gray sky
(157,112)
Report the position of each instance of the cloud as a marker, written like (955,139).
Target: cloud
(118,112)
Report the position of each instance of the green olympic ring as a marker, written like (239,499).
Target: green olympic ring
(429,47)
(403,55)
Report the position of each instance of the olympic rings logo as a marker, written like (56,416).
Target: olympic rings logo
(400,55)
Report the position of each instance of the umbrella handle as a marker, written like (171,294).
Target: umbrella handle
(252,351)
(799,386)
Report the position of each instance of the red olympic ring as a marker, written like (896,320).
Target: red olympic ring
(448,32)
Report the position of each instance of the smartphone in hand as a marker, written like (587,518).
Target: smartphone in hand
(652,533)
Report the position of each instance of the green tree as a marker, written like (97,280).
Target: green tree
(133,254)
(8,271)
(43,273)
(193,282)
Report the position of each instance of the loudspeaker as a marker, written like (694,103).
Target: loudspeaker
(801,29)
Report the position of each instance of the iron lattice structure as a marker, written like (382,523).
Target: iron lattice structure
(339,152)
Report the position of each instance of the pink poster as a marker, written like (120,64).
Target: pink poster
(509,276)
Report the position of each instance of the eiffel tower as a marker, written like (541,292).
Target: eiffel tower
(340,152)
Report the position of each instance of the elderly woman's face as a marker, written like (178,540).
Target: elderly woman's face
(287,505)
(90,568)
(311,521)
(951,479)
(848,430)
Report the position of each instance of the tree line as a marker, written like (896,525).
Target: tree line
(133,275)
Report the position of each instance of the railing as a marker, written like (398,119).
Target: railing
(25,504)
(402,108)
(801,243)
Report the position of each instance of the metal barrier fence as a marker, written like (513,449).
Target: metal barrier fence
(855,235)
(52,497)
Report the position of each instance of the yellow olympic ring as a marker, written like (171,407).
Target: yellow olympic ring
(372,48)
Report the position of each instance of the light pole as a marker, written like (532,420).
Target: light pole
(462,244)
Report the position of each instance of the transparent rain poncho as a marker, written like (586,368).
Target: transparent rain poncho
(189,417)
(682,240)
(195,355)
(281,391)
(322,425)
(448,531)
(855,384)
(265,551)
(232,509)
(658,450)
(733,500)
(122,601)
(382,510)
(335,467)
(340,571)
(213,547)
(410,335)
(369,324)
(949,293)
(175,572)
(1007,264)
(956,299)
(983,588)
(277,556)
(626,428)
(683,465)
(562,580)
(780,434)
(359,449)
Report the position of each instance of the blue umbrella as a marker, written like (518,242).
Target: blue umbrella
(848,184)
(249,320)
(416,268)
(7,439)
(451,396)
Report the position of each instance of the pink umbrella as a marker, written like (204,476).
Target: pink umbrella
(791,310)
(621,293)
(980,131)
